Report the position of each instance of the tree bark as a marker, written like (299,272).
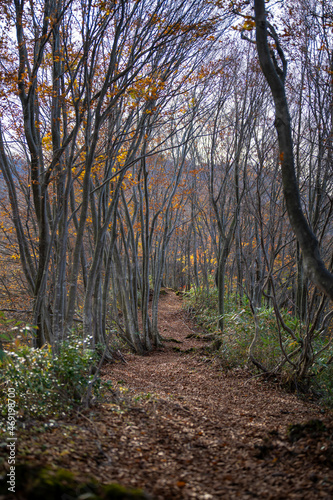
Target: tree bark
(275,76)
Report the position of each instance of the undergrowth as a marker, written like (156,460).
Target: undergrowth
(239,331)
(47,385)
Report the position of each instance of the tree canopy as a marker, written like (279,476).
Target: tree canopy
(138,150)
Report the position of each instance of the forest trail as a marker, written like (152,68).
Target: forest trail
(204,434)
(179,427)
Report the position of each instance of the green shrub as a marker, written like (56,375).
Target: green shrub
(47,385)
(205,307)
(239,331)
(322,373)
(72,367)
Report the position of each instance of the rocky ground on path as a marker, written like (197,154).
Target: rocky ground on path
(179,427)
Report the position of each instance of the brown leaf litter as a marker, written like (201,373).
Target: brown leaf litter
(181,428)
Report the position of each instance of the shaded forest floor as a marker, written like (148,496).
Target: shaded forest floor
(180,428)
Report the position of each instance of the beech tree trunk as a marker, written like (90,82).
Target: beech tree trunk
(275,76)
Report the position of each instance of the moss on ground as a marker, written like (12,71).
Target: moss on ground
(40,483)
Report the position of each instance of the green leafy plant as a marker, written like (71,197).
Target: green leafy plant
(46,385)
(72,367)
(15,332)
(271,344)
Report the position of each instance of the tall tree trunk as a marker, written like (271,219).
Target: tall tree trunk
(275,76)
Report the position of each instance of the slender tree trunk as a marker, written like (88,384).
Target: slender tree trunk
(275,76)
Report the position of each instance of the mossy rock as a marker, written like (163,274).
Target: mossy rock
(313,428)
(40,483)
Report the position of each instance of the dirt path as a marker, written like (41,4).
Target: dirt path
(180,428)
(207,435)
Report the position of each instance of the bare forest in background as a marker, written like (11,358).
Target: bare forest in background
(138,151)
